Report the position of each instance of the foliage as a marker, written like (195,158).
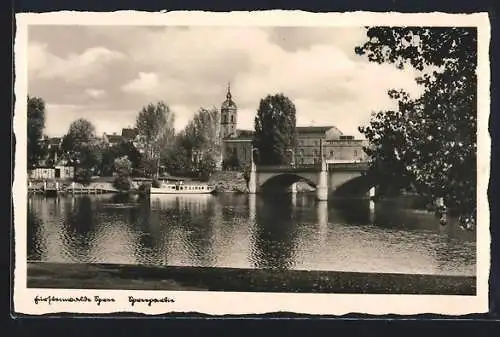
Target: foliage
(155,127)
(203,134)
(275,130)
(246,173)
(119,150)
(81,149)
(83,176)
(123,169)
(177,159)
(197,148)
(52,152)
(207,166)
(80,144)
(231,163)
(430,143)
(36,125)
(148,166)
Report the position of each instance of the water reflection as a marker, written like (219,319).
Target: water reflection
(274,234)
(289,231)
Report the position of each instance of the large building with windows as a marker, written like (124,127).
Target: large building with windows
(237,143)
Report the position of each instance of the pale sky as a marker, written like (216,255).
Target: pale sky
(106,74)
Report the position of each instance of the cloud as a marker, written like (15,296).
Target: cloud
(72,68)
(59,117)
(97,69)
(143,84)
(95,93)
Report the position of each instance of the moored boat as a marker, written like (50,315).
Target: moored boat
(181,188)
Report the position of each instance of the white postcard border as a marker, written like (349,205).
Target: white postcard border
(251,303)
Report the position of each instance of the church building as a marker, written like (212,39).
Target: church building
(237,143)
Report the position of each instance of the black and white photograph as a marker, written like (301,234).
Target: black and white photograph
(240,163)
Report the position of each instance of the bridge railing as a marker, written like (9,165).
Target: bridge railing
(356,166)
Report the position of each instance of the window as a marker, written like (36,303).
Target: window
(224,119)
(232,118)
(331,153)
(355,153)
(315,143)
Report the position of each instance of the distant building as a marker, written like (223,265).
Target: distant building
(52,146)
(235,143)
(229,117)
(336,146)
(112,139)
(239,146)
(129,134)
(52,172)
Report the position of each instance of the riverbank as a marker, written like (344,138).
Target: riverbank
(229,181)
(131,277)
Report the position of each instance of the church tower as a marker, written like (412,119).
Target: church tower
(229,114)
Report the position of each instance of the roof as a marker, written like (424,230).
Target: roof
(244,133)
(114,138)
(129,134)
(313,129)
(237,140)
(228,104)
(54,141)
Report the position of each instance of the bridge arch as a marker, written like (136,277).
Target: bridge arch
(355,187)
(285,180)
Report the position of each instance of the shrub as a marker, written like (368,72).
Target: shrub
(123,168)
(122,183)
(83,176)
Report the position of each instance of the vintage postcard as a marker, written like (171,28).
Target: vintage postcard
(251,162)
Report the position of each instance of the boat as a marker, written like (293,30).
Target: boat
(181,188)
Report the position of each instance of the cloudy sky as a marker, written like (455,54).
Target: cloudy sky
(106,74)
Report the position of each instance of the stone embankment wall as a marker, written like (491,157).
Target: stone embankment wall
(229,181)
(63,184)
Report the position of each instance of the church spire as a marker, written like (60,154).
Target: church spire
(228,96)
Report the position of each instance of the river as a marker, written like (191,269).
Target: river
(247,231)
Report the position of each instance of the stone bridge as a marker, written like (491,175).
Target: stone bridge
(335,178)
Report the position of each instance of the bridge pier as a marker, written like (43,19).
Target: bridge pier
(252,181)
(293,188)
(371,194)
(322,186)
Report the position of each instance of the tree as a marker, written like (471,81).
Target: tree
(36,125)
(203,133)
(123,169)
(155,127)
(275,130)
(200,142)
(109,154)
(432,138)
(81,149)
(232,162)
(176,159)
(206,166)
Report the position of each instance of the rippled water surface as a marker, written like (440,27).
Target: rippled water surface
(284,232)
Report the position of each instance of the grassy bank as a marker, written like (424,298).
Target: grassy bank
(129,277)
